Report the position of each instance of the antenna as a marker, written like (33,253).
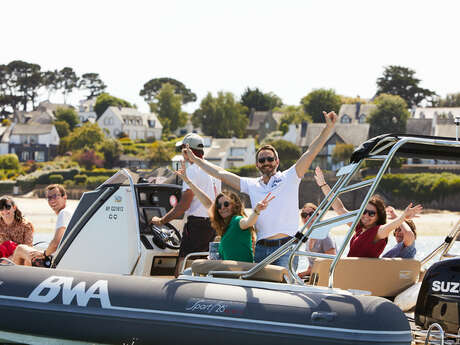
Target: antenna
(457,123)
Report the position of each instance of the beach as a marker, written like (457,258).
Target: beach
(430,222)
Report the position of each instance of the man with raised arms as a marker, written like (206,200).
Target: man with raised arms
(280,221)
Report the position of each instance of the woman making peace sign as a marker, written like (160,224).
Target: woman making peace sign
(230,221)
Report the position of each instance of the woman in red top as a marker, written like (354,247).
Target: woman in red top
(371,234)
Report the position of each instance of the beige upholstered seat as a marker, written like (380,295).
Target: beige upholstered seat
(384,277)
(271,273)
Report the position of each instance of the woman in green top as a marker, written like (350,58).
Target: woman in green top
(230,221)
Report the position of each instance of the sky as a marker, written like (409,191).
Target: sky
(287,47)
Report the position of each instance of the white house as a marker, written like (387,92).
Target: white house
(86,111)
(33,141)
(231,152)
(355,113)
(135,124)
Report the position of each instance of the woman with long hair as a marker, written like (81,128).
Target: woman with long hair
(230,221)
(14,228)
(371,234)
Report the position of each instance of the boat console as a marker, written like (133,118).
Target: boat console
(110,230)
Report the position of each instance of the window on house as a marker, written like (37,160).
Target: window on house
(330,149)
(362,118)
(151,123)
(39,156)
(345,119)
(25,156)
(267,125)
(237,151)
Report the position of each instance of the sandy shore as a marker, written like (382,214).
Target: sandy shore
(430,223)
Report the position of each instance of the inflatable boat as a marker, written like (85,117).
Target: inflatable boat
(111,281)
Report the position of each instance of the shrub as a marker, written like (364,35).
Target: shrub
(80,179)
(55,178)
(245,170)
(9,161)
(69,183)
(95,181)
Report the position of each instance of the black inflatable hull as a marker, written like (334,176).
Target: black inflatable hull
(113,309)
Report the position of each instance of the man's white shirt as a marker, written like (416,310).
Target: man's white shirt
(282,213)
(208,184)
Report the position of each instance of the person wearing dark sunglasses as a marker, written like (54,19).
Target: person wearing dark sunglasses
(57,200)
(280,222)
(230,221)
(371,234)
(13,226)
(325,245)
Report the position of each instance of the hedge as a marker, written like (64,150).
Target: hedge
(80,179)
(55,179)
(245,170)
(6,187)
(422,187)
(95,181)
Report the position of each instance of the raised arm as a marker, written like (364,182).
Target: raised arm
(409,213)
(202,196)
(408,235)
(304,162)
(337,205)
(252,219)
(213,170)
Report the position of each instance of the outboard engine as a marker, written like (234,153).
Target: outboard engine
(439,297)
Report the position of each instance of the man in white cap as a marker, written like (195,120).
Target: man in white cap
(197,232)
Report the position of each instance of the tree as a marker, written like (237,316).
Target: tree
(69,81)
(256,99)
(160,152)
(87,135)
(288,152)
(51,81)
(153,87)
(342,152)
(168,106)
(451,100)
(320,100)
(69,116)
(221,117)
(19,84)
(390,115)
(92,82)
(111,149)
(104,100)
(292,114)
(401,81)
(62,128)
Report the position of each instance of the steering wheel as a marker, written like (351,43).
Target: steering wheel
(166,236)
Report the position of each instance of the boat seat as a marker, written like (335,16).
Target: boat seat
(384,277)
(271,273)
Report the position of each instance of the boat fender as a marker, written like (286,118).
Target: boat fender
(407,299)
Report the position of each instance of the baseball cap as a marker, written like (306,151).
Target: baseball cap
(193,140)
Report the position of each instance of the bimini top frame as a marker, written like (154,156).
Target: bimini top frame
(383,149)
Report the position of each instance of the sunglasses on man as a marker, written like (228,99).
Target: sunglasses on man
(262,160)
(306,214)
(53,196)
(224,204)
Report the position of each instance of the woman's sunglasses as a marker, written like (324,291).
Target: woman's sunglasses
(306,214)
(224,204)
(5,207)
(262,160)
(370,213)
